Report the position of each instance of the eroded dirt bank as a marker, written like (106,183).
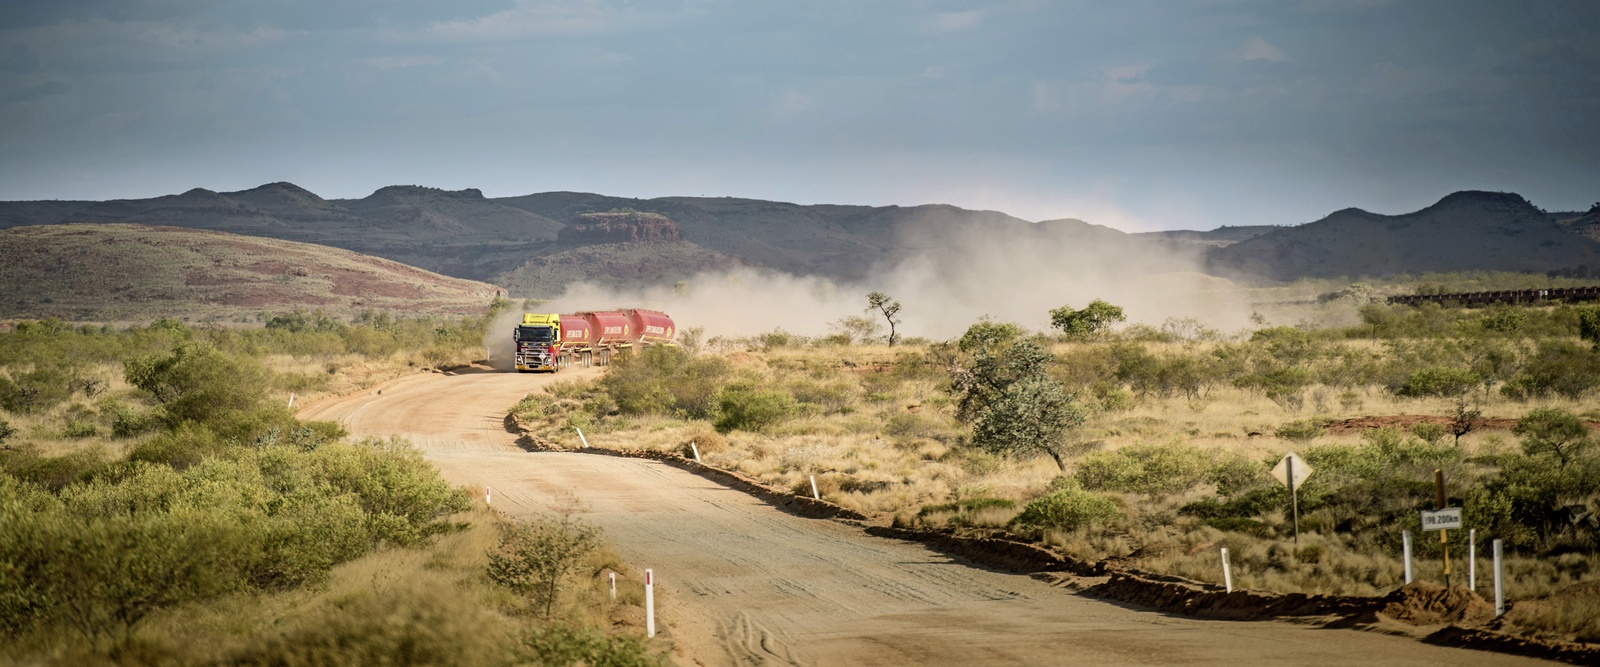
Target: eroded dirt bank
(743,583)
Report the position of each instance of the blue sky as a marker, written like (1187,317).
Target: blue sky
(1139,115)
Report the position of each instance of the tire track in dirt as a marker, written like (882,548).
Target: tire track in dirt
(745,584)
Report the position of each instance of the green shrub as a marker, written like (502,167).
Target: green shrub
(1096,317)
(1559,367)
(967,505)
(1438,381)
(6,430)
(1302,431)
(910,425)
(101,574)
(560,646)
(1284,385)
(1143,468)
(1554,432)
(196,382)
(1067,509)
(665,380)
(52,472)
(432,625)
(1430,432)
(1251,503)
(536,558)
(401,493)
(45,386)
(987,334)
(744,408)
(181,448)
(1234,474)
(831,397)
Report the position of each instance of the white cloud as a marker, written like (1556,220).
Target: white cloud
(1125,72)
(545,18)
(1045,97)
(401,62)
(1257,48)
(948,22)
(793,104)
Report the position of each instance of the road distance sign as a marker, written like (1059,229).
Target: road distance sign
(1448,518)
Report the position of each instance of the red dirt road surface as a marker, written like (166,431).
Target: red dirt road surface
(741,583)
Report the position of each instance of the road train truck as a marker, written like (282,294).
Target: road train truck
(549,341)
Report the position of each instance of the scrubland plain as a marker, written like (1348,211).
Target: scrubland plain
(1168,446)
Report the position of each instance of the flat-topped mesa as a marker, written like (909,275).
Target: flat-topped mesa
(619,227)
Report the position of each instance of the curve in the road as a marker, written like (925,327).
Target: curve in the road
(743,583)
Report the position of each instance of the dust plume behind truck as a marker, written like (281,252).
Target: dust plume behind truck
(549,341)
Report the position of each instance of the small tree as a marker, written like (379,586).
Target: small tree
(987,334)
(1553,431)
(534,559)
(1093,319)
(1019,409)
(889,307)
(1463,420)
(195,382)
(991,374)
(1031,417)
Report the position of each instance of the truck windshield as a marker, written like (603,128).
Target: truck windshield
(536,334)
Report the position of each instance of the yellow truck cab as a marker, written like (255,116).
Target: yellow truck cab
(538,341)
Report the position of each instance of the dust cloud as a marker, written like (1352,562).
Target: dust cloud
(498,339)
(948,278)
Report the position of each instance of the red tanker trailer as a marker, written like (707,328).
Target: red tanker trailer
(587,337)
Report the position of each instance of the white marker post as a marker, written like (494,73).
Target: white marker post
(580,437)
(291,399)
(814,494)
(1499,583)
(649,604)
(487,498)
(1472,559)
(1405,540)
(696,452)
(1227,573)
(613,585)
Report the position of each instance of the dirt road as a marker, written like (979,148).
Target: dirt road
(745,584)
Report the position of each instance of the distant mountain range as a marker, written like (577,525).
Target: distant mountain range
(519,243)
(1492,231)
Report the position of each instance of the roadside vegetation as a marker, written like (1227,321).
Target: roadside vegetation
(1152,445)
(161,503)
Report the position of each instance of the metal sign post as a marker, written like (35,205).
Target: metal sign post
(1292,471)
(1444,543)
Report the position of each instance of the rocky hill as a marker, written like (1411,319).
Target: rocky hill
(455,232)
(1465,231)
(1219,237)
(536,244)
(137,272)
(549,272)
(1587,224)
(619,227)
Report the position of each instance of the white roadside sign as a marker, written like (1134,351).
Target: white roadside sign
(1448,518)
(1292,461)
